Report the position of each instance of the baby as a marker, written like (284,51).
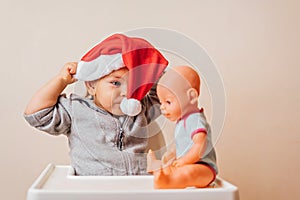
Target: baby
(195,160)
(105,138)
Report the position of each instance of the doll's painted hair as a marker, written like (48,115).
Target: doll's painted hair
(185,75)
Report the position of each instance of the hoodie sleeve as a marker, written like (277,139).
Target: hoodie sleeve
(54,120)
(151,103)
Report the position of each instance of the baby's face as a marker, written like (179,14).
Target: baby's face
(170,104)
(110,90)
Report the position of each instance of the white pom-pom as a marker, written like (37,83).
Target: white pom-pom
(130,107)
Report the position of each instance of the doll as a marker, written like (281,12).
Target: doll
(192,163)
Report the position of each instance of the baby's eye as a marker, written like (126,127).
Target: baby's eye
(116,83)
(168,102)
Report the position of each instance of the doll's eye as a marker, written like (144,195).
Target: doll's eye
(116,83)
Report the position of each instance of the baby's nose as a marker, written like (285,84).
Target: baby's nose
(124,90)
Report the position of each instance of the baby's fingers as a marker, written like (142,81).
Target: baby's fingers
(72,66)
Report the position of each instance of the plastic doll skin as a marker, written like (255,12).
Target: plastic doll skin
(178,92)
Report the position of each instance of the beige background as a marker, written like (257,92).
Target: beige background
(255,45)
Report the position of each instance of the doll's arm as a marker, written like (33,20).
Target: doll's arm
(196,151)
(47,96)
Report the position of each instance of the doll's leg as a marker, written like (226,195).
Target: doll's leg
(193,175)
(152,163)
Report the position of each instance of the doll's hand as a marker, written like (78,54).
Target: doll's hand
(168,157)
(67,72)
(177,163)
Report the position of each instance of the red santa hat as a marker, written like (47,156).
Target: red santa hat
(144,62)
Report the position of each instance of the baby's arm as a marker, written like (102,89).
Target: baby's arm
(47,96)
(196,151)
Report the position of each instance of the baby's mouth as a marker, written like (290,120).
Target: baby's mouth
(165,114)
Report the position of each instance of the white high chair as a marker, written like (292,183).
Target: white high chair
(59,182)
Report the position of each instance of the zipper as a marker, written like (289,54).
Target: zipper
(120,145)
(120,139)
(121,135)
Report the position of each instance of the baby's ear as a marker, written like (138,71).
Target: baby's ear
(90,86)
(193,95)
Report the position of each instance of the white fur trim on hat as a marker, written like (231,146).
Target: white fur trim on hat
(131,107)
(99,67)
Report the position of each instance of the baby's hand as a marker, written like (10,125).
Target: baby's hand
(68,71)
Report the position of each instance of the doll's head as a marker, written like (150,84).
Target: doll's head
(178,91)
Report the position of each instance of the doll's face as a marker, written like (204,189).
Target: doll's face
(171,104)
(110,90)
(178,91)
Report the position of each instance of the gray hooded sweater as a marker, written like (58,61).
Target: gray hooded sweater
(100,143)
